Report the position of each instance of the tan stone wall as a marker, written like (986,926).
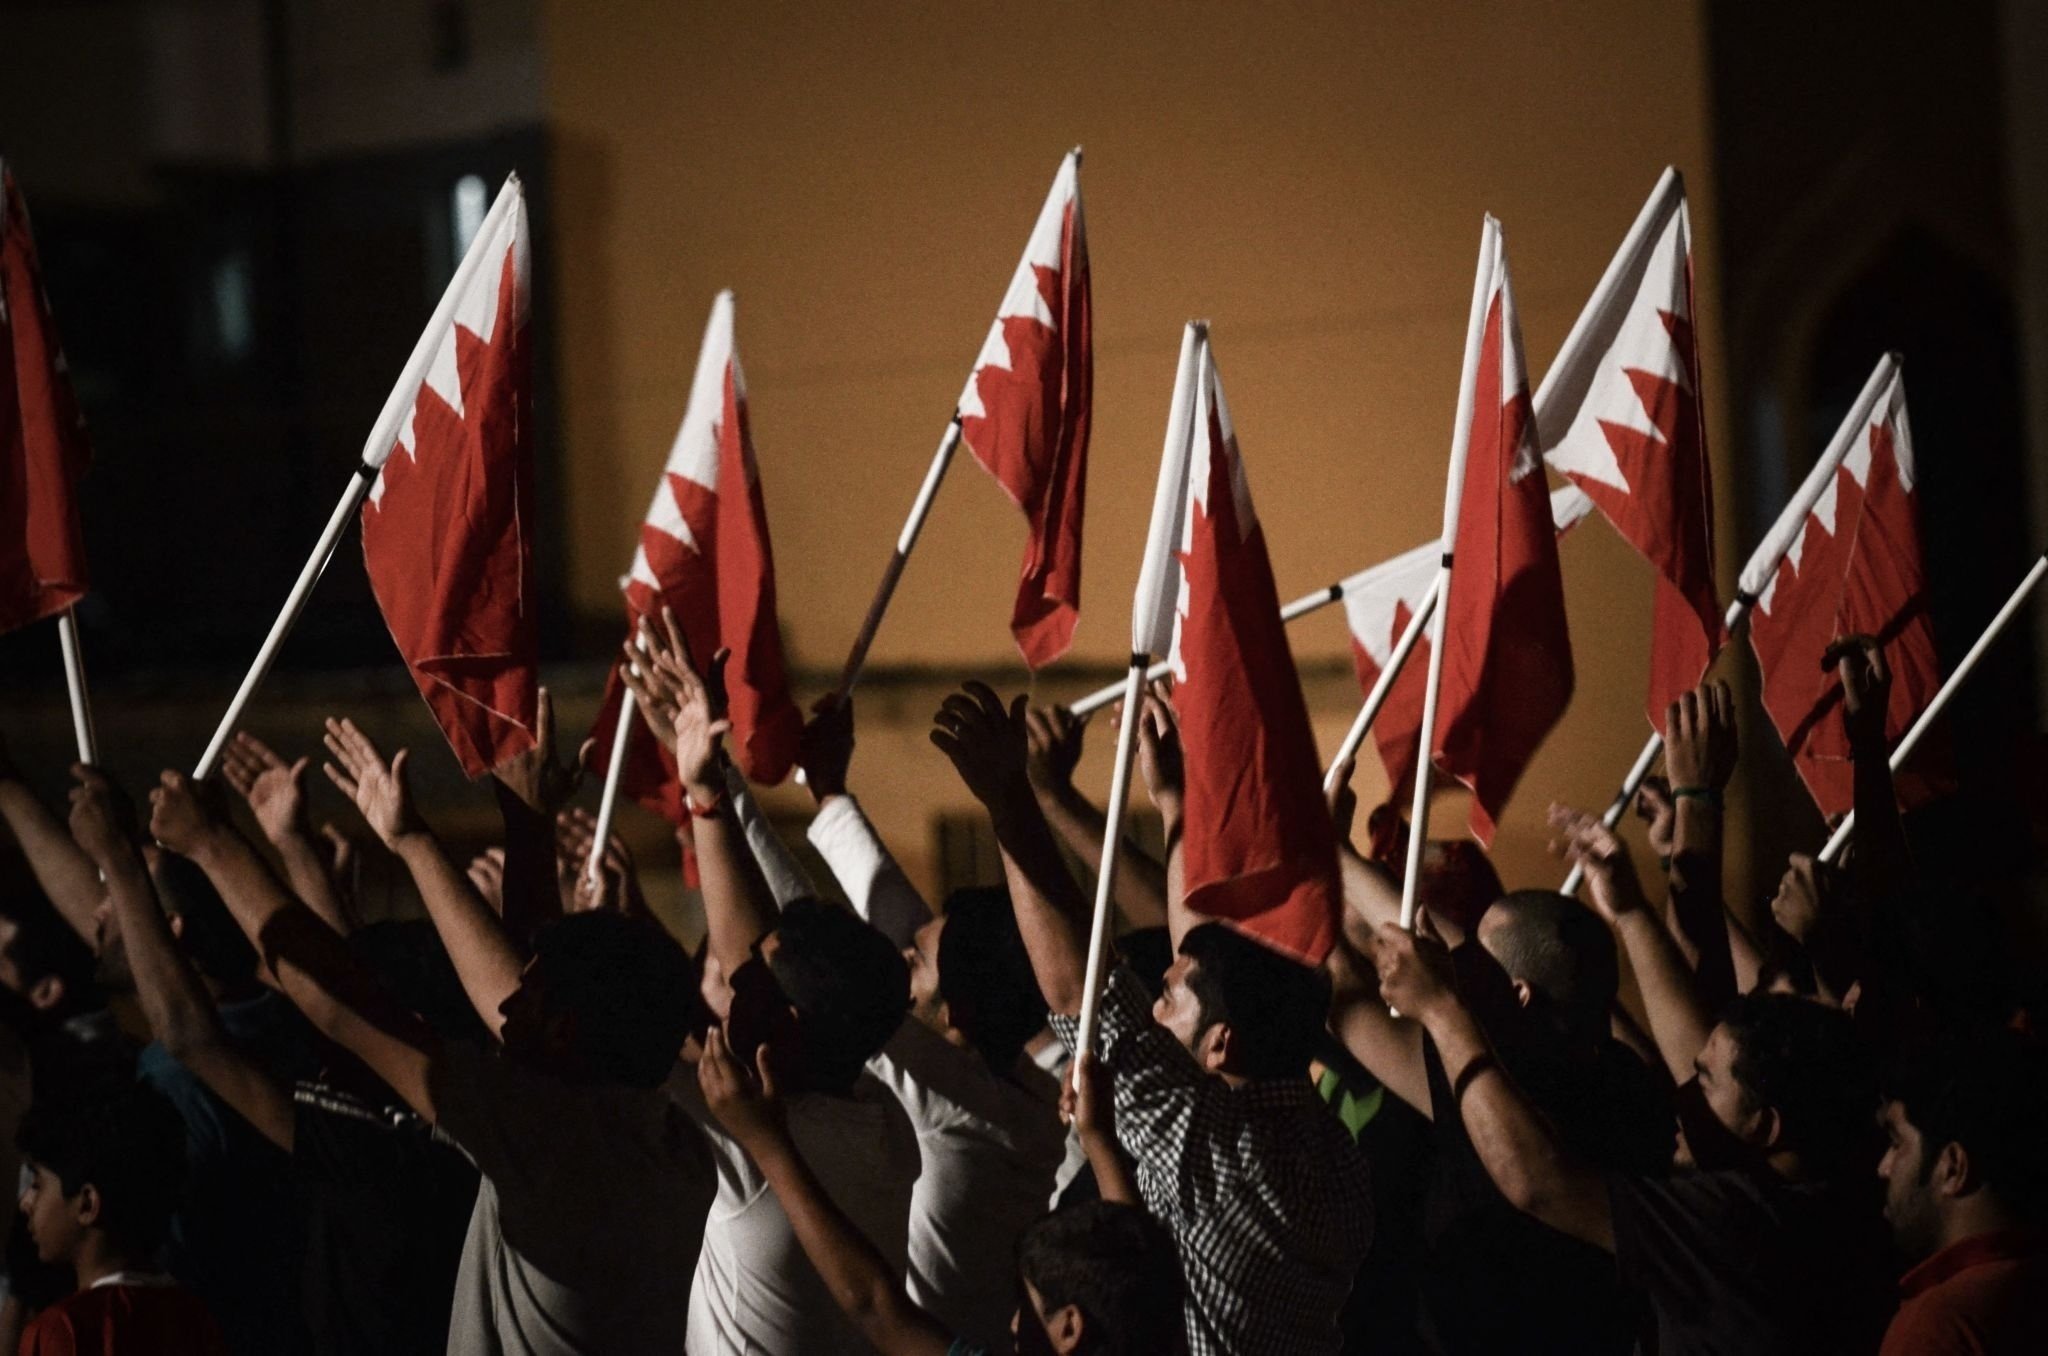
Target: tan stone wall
(1308,176)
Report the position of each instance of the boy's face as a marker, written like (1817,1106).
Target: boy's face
(55,1221)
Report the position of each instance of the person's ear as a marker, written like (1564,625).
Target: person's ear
(88,1206)
(1523,993)
(1215,1047)
(1065,1328)
(1766,1127)
(1952,1170)
(46,993)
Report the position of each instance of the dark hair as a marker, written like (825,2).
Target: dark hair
(1149,953)
(1987,1090)
(1276,1008)
(1555,945)
(1802,1059)
(848,983)
(628,985)
(985,975)
(46,947)
(1117,1265)
(208,934)
(126,1141)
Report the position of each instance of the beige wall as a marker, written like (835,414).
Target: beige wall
(1308,176)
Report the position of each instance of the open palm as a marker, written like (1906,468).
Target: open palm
(378,788)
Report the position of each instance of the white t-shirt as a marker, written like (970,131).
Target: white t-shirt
(755,1292)
(589,1215)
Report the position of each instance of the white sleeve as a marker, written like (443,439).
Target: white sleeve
(874,883)
(787,879)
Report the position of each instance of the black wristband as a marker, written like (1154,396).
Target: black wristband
(1470,1074)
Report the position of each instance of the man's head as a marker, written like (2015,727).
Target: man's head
(1965,1117)
(971,978)
(206,931)
(1780,1080)
(1560,957)
(607,998)
(45,968)
(1099,1278)
(1240,1008)
(108,1161)
(846,985)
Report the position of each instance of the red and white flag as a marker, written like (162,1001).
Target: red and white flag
(1259,851)
(1848,565)
(1378,605)
(1620,414)
(1507,663)
(704,552)
(43,448)
(1024,414)
(448,530)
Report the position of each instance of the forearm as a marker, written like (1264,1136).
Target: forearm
(739,910)
(1179,920)
(1696,899)
(477,943)
(531,897)
(62,870)
(306,872)
(1678,1020)
(1881,861)
(1140,885)
(1113,1179)
(1052,914)
(863,1285)
(1520,1151)
(174,1002)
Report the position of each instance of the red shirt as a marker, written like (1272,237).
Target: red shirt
(1983,1295)
(124,1320)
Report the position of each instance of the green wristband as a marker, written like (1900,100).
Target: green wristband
(1705,793)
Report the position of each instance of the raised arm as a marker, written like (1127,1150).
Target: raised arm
(175,1002)
(62,870)
(276,794)
(531,788)
(1699,755)
(1054,741)
(1679,1022)
(1165,773)
(1389,1047)
(739,910)
(1521,1153)
(484,956)
(861,862)
(313,965)
(1882,863)
(987,747)
(864,1286)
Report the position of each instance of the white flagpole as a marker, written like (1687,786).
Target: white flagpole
(1454,488)
(1300,607)
(1925,720)
(294,604)
(893,572)
(1112,834)
(608,803)
(1384,684)
(74,685)
(1761,568)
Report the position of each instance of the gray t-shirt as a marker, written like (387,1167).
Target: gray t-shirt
(589,1218)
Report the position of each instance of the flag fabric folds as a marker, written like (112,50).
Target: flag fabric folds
(1378,604)
(1259,849)
(447,531)
(43,447)
(1620,414)
(1852,566)
(704,552)
(1507,664)
(1024,414)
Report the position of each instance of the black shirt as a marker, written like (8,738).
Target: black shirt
(1497,1279)
(1746,1264)
(387,1206)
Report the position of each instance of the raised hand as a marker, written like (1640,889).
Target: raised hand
(1866,691)
(618,882)
(1052,738)
(1415,971)
(183,816)
(1085,1099)
(274,789)
(378,789)
(1159,751)
(1799,906)
(487,873)
(1657,810)
(747,1106)
(1610,872)
(825,749)
(666,677)
(537,776)
(102,816)
(987,743)
(1699,739)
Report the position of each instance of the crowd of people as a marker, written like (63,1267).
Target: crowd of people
(533,1122)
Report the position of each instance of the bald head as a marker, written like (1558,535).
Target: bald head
(1559,949)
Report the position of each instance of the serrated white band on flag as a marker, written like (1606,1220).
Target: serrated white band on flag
(1155,606)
